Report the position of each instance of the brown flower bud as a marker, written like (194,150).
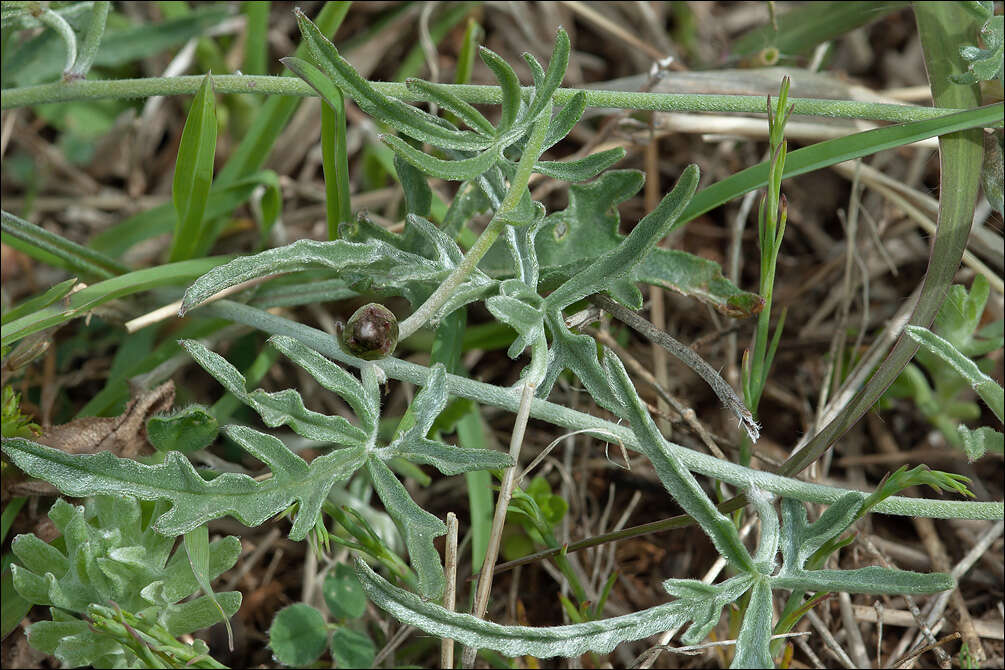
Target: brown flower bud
(371,333)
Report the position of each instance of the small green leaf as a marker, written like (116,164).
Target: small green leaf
(510,85)
(582,169)
(442,96)
(193,174)
(754,641)
(351,649)
(184,430)
(197,549)
(563,122)
(343,593)
(552,79)
(977,442)
(452,170)
(298,635)
(989,390)
(417,526)
(398,115)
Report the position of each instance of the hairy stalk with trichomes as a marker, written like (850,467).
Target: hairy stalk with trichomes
(527,268)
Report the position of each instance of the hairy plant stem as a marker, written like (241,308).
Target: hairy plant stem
(420,316)
(499,518)
(517,187)
(559,415)
(475,94)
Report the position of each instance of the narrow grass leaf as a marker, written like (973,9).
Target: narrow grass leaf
(38,302)
(78,304)
(57,250)
(197,549)
(193,173)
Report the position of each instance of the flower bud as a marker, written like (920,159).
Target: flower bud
(370,333)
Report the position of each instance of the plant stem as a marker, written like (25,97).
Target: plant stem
(517,188)
(92,40)
(496,396)
(499,519)
(475,94)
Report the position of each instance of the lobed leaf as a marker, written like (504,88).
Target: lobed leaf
(508,83)
(417,526)
(753,644)
(452,170)
(620,261)
(449,101)
(674,476)
(285,407)
(195,500)
(543,642)
(582,169)
(400,116)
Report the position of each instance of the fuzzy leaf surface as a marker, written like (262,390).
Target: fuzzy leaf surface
(195,500)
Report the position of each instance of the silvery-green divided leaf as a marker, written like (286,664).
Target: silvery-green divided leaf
(989,390)
(582,169)
(376,258)
(674,476)
(572,239)
(872,579)
(451,170)
(977,442)
(546,83)
(619,262)
(414,446)
(563,122)
(417,526)
(418,195)
(285,407)
(404,118)
(753,644)
(801,539)
(195,500)
(112,554)
(543,642)
(526,320)
(578,353)
(959,321)
(767,545)
(985,64)
(704,602)
(510,85)
(331,377)
(443,97)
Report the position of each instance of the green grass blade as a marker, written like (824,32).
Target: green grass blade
(803,28)
(38,302)
(193,173)
(58,251)
(256,46)
(943,27)
(160,220)
(82,301)
(831,152)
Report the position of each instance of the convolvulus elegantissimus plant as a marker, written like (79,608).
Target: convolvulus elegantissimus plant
(542,265)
